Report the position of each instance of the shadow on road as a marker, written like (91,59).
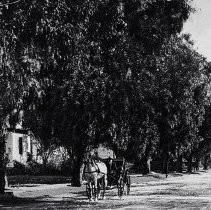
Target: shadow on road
(40,203)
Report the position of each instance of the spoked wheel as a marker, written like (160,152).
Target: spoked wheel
(98,187)
(128,184)
(121,187)
(101,188)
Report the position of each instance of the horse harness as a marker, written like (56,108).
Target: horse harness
(90,172)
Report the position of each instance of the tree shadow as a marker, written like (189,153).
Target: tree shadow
(78,200)
(12,202)
(190,173)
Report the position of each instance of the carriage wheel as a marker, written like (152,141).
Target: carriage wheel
(101,187)
(121,187)
(98,187)
(128,183)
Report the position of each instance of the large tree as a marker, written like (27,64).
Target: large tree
(12,84)
(88,58)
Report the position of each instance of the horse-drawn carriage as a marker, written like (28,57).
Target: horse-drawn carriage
(118,175)
(107,172)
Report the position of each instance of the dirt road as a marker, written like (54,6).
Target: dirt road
(188,191)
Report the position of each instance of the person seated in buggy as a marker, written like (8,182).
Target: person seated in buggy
(111,165)
(115,170)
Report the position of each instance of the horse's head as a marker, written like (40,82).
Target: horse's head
(90,165)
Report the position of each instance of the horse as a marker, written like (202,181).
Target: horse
(95,173)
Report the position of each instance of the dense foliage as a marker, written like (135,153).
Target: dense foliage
(112,72)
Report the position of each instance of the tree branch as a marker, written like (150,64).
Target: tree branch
(9,3)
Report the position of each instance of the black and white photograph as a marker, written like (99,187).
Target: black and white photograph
(105,104)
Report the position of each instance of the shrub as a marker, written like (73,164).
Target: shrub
(18,169)
(32,168)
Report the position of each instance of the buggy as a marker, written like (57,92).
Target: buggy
(118,175)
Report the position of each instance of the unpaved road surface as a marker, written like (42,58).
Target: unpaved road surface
(187,191)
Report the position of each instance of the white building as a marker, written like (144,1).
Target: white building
(19,145)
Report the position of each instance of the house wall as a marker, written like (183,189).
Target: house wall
(9,148)
(35,146)
(13,148)
(16,156)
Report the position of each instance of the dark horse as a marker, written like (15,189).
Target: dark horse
(95,173)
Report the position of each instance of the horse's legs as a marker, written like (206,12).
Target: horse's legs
(95,189)
(105,179)
(90,190)
(99,186)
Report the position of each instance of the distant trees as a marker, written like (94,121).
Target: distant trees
(177,94)
(183,81)
(113,72)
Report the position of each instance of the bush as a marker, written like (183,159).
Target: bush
(18,169)
(66,167)
(32,168)
(30,180)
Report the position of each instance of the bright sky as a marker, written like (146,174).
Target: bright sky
(199,26)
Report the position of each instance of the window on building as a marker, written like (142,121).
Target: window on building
(20,145)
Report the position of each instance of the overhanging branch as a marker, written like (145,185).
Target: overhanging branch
(9,3)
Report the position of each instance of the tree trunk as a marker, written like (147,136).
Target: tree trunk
(196,164)
(45,169)
(149,164)
(2,165)
(179,164)
(77,173)
(77,169)
(77,152)
(146,160)
(81,173)
(189,165)
(165,168)
(146,165)
(6,181)
(137,165)
(205,163)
